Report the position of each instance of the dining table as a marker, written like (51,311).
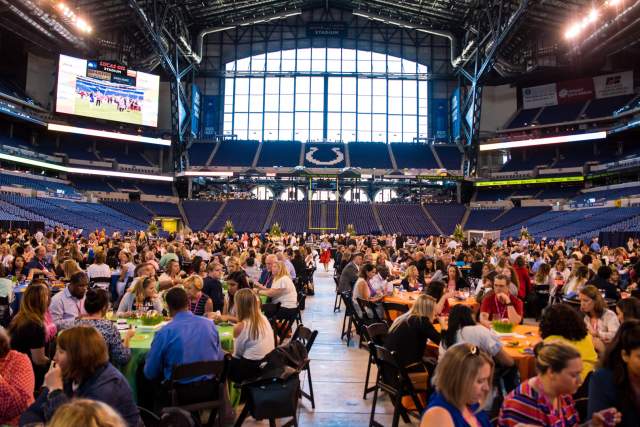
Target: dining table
(518,344)
(140,344)
(409,298)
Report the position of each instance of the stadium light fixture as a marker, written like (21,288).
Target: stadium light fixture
(206,173)
(545,141)
(593,16)
(85,171)
(613,3)
(573,31)
(105,134)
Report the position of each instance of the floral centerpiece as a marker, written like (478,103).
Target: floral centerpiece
(275,230)
(524,234)
(502,326)
(152,229)
(151,318)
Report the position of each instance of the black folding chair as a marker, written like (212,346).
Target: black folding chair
(347,321)
(270,311)
(393,379)
(307,338)
(337,301)
(202,395)
(393,307)
(377,333)
(100,282)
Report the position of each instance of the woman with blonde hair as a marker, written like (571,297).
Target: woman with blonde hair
(409,333)
(142,296)
(199,303)
(69,268)
(463,381)
(282,289)
(253,337)
(411,279)
(87,413)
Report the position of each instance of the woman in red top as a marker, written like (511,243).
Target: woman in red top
(522,271)
(16,382)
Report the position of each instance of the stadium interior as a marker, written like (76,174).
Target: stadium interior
(377,117)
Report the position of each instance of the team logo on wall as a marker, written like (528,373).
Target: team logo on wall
(339,157)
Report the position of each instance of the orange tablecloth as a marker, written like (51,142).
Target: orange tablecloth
(524,361)
(408,298)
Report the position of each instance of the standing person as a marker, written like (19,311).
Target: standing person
(32,330)
(463,381)
(83,370)
(253,337)
(617,382)
(545,400)
(523,277)
(601,322)
(325,254)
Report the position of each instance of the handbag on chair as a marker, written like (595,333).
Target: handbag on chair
(273,397)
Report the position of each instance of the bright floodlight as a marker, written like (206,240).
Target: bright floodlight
(573,31)
(593,16)
(614,3)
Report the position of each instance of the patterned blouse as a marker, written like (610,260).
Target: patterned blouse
(119,355)
(526,405)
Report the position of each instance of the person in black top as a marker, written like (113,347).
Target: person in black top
(409,333)
(213,286)
(601,281)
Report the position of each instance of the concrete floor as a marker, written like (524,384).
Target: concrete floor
(337,371)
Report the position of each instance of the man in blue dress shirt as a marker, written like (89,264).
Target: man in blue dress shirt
(186,339)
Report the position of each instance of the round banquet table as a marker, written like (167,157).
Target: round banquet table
(140,345)
(408,298)
(519,345)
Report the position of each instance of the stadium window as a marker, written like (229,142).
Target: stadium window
(385,195)
(384,101)
(355,195)
(262,193)
(292,193)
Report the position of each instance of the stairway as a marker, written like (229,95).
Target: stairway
(212,220)
(435,224)
(267,223)
(184,215)
(376,215)
(465,217)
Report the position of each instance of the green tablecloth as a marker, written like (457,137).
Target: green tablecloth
(141,343)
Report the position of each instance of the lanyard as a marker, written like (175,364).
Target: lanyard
(502,314)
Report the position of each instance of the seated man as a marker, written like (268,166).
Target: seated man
(213,286)
(186,339)
(68,304)
(500,304)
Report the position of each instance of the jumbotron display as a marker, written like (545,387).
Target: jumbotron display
(105,90)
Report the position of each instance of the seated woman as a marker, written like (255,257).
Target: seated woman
(545,400)
(86,412)
(601,322)
(463,381)
(17,268)
(561,323)
(454,279)
(409,333)
(96,303)
(199,303)
(282,290)
(411,280)
(617,381)
(364,290)
(435,289)
(253,337)
(172,276)
(83,370)
(628,309)
(229,313)
(16,382)
(578,280)
(32,330)
(141,297)
(462,328)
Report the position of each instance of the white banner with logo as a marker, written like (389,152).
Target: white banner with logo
(616,84)
(539,96)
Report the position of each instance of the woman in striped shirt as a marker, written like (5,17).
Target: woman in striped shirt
(545,400)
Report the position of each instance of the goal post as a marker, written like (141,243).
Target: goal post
(323,179)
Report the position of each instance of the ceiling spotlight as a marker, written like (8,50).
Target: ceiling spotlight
(613,3)
(573,31)
(593,16)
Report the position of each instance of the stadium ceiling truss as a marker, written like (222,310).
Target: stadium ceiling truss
(485,35)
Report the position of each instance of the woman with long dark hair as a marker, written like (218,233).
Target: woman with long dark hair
(617,382)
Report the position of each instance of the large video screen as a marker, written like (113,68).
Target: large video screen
(108,91)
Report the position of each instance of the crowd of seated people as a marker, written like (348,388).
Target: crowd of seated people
(580,301)
(59,342)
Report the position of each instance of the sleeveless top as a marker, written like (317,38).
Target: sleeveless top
(438,401)
(197,306)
